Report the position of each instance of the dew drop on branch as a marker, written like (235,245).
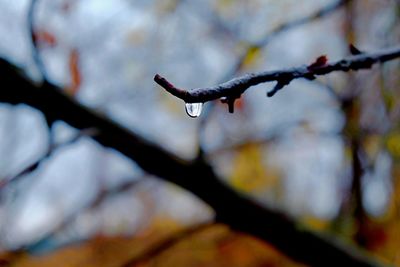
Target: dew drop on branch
(193,109)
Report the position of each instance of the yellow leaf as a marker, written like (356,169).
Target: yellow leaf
(372,145)
(393,144)
(249,173)
(316,223)
(252,57)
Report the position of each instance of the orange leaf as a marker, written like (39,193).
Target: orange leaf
(252,57)
(76,77)
(239,104)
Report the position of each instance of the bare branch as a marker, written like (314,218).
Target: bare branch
(239,85)
(324,11)
(51,149)
(264,41)
(231,208)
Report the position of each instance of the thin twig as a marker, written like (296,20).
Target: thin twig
(324,11)
(264,41)
(51,149)
(239,85)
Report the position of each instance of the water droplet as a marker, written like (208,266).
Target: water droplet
(193,109)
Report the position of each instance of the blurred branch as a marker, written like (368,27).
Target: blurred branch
(51,149)
(34,44)
(324,11)
(357,193)
(231,208)
(96,202)
(167,243)
(235,87)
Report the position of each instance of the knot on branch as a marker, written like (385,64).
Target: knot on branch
(318,63)
(230,101)
(354,50)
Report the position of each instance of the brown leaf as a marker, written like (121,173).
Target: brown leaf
(45,38)
(76,77)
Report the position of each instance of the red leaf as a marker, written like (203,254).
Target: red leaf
(76,77)
(45,38)
(239,104)
(319,62)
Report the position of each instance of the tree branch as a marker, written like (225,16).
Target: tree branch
(50,150)
(241,213)
(324,11)
(264,41)
(239,85)
(284,27)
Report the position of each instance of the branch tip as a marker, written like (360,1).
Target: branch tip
(169,87)
(283,77)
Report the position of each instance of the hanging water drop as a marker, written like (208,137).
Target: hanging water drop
(193,109)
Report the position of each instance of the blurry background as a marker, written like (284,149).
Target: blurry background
(326,151)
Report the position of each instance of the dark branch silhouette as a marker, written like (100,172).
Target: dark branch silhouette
(231,208)
(237,86)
